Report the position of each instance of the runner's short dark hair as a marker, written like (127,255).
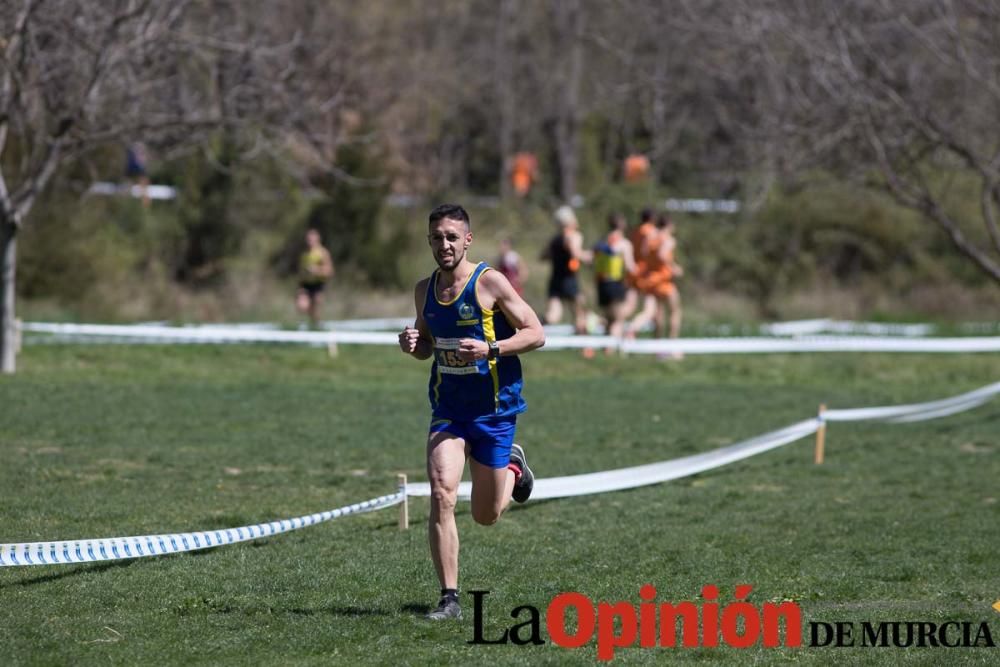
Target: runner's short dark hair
(664,220)
(450,211)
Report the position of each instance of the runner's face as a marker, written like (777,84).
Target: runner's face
(448,240)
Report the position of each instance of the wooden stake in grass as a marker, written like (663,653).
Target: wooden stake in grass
(332,349)
(820,435)
(404,507)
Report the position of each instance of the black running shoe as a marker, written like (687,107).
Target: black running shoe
(447,608)
(523,487)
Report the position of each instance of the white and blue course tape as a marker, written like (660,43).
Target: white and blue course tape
(87,551)
(115,548)
(223,334)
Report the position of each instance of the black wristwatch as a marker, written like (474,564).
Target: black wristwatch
(494,351)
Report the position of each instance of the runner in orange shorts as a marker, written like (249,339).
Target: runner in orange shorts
(655,272)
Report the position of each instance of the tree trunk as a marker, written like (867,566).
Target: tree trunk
(568,122)
(8,264)
(503,56)
(566,134)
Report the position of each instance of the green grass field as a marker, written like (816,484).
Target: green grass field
(101,441)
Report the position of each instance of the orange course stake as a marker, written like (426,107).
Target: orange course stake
(820,435)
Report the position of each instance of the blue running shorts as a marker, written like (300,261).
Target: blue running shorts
(489,441)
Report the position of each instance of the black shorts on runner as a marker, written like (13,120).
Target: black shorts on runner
(564,287)
(611,292)
(312,289)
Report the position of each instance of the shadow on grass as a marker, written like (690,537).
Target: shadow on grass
(388,525)
(348,611)
(962,422)
(200,552)
(419,517)
(415,608)
(73,572)
(522,507)
(207,606)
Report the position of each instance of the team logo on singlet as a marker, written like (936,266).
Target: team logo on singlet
(467,314)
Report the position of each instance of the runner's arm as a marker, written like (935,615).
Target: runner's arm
(576,249)
(417,340)
(494,287)
(628,256)
(326,269)
(667,249)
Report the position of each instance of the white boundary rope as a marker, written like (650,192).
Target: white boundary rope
(92,550)
(115,548)
(655,473)
(918,411)
(112,333)
(825,325)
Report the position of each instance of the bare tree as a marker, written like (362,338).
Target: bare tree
(568,22)
(908,92)
(79,74)
(504,65)
(73,75)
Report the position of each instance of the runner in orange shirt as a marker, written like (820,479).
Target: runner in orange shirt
(635,168)
(523,172)
(656,270)
(672,299)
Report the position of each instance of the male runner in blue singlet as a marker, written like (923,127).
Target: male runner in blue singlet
(474,324)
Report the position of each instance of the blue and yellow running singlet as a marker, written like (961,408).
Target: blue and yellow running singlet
(609,264)
(470,390)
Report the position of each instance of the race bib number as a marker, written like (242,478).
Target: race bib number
(448,361)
